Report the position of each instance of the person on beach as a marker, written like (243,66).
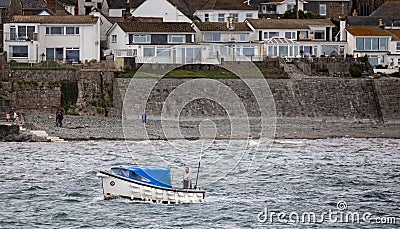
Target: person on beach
(144,119)
(187,184)
(8,116)
(59,119)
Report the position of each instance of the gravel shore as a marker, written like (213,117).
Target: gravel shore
(110,128)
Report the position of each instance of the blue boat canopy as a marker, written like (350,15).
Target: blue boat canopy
(157,176)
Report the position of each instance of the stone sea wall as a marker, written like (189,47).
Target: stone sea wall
(324,99)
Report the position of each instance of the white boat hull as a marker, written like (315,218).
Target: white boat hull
(117,186)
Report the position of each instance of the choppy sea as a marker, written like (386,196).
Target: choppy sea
(342,183)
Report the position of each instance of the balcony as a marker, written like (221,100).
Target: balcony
(16,37)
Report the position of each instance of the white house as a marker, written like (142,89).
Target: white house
(160,9)
(220,10)
(273,8)
(227,41)
(153,41)
(293,38)
(31,39)
(381,46)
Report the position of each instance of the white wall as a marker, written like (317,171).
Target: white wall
(161,9)
(213,14)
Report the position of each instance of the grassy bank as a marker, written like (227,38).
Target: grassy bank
(268,72)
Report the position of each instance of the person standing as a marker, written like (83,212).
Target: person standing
(57,118)
(8,116)
(60,119)
(144,119)
(187,183)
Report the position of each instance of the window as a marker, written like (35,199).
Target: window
(249,15)
(383,43)
(163,51)
(269,35)
(56,54)
(72,30)
(113,38)
(19,51)
(212,37)
(55,30)
(398,46)
(319,35)
(72,54)
(206,17)
(24,32)
(248,50)
(176,39)
(290,7)
(236,17)
(139,38)
(221,17)
(322,9)
(148,51)
(290,35)
(360,43)
(271,8)
(242,37)
(375,45)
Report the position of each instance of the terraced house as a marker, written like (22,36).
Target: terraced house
(32,39)
(296,38)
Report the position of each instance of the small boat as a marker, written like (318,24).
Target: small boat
(146,184)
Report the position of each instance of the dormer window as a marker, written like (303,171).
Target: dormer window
(178,39)
(139,39)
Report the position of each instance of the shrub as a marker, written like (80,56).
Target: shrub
(100,110)
(355,71)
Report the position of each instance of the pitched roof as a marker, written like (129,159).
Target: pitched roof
(33,4)
(389,10)
(156,27)
(395,33)
(5,3)
(288,23)
(226,5)
(365,21)
(67,19)
(67,2)
(120,4)
(221,26)
(367,31)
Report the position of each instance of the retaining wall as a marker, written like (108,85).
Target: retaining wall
(329,99)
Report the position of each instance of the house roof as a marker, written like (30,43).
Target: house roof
(33,4)
(288,23)
(367,31)
(67,2)
(389,10)
(221,26)
(120,4)
(395,33)
(64,19)
(365,21)
(226,5)
(5,3)
(156,27)
(271,1)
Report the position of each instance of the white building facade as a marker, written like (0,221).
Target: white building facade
(32,39)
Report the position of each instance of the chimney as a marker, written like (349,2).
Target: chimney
(76,8)
(381,25)
(51,5)
(127,13)
(230,23)
(342,29)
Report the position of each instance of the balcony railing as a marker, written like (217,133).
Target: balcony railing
(16,37)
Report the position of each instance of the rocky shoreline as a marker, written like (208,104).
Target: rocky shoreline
(110,128)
